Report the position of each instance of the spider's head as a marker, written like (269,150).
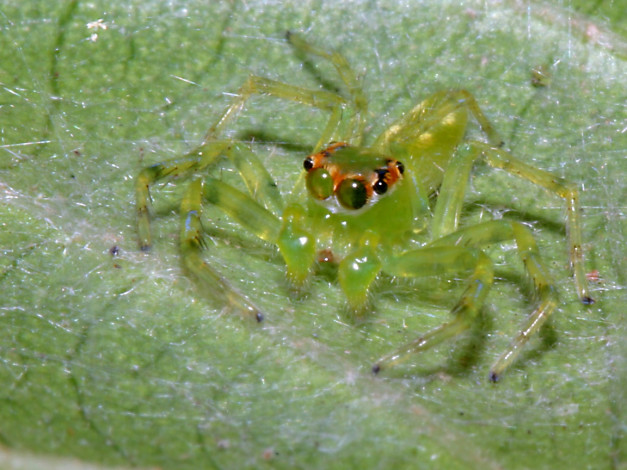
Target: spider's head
(356,177)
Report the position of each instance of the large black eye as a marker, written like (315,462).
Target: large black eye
(352,193)
(308,163)
(401,167)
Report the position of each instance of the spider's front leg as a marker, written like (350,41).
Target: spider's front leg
(255,85)
(350,80)
(253,172)
(193,161)
(358,270)
(338,126)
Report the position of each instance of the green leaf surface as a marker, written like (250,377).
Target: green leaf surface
(115,358)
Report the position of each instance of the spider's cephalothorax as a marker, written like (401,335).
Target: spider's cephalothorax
(353,175)
(365,206)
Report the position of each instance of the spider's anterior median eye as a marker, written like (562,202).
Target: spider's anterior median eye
(319,183)
(308,163)
(401,167)
(352,193)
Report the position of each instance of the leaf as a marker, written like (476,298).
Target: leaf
(115,357)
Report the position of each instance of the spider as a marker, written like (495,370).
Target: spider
(391,207)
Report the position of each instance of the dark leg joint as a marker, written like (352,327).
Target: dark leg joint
(587,300)
(494,377)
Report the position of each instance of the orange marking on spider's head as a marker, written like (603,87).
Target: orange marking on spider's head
(320,159)
(353,175)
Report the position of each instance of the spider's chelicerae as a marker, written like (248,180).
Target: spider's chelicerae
(392,206)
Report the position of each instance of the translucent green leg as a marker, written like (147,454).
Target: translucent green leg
(453,188)
(263,86)
(547,295)
(450,200)
(437,261)
(259,182)
(295,241)
(564,189)
(498,231)
(243,209)
(358,270)
(253,172)
(192,244)
(346,74)
(465,97)
(439,109)
(195,160)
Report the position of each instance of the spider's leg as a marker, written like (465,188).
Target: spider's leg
(465,97)
(193,161)
(250,214)
(347,75)
(450,199)
(294,240)
(449,204)
(358,270)
(260,184)
(498,231)
(243,209)
(321,99)
(284,227)
(443,260)
(457,170)
(253,172)
(498,158)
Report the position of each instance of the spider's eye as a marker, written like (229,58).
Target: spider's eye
(352,193)
(380,187)
(319,183)
(308,163)
(401,167)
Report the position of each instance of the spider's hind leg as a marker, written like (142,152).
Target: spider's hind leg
(499,231)
(443,260)
(544,289)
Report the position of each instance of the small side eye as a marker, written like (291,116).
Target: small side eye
(319,183)
(308,163)
(352,193)
(380,187)
(401,167)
